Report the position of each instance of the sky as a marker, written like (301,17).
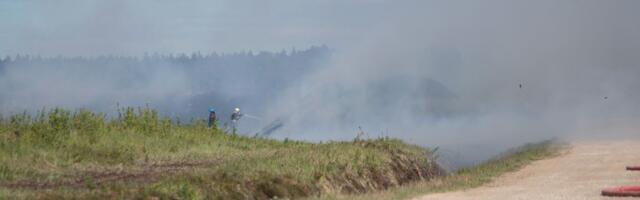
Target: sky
(120,27)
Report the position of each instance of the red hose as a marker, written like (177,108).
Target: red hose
(633,168)
(626,191)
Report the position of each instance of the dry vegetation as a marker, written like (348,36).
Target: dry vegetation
(467,177)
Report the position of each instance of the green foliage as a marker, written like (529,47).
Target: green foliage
(61,146)
(174,190)
(58,124)
(145,120)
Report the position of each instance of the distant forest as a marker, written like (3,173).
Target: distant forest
(177,84)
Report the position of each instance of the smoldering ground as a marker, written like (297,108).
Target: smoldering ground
(474,78)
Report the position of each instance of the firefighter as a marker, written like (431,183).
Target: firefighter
(212,118)
(235,116)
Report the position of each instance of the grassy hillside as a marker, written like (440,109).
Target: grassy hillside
(467,177)
(138,155)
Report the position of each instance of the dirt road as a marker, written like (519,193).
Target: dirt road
(581,173)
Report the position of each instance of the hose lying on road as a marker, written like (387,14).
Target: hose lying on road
(626,191)
(633,168)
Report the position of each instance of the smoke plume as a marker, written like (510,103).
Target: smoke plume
(477,78)
(473,77)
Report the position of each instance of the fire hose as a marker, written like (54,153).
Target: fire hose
(624,191)
(633,168)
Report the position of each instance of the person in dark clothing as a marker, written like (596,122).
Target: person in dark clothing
(212,118)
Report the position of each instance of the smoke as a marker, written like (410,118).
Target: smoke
(473,77)
(45,85)
(477,78)
(178,86)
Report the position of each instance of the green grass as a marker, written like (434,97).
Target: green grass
(464,178)
(60,154)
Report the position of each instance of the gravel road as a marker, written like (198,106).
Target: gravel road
(580,173)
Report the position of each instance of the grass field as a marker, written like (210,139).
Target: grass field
(58,154)
(464,178)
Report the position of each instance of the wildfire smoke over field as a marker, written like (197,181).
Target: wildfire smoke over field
(473,77)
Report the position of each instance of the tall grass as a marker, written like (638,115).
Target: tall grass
(57,144)
(465,178)
(59,138)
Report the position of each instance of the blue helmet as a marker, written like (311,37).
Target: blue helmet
(212,110)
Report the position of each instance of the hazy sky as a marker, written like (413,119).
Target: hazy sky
(92,27)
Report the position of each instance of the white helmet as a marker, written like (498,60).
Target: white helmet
(237,109)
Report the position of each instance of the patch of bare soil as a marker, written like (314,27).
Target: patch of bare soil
(92,178)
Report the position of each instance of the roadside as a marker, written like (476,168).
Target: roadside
(582,173)
(469,177)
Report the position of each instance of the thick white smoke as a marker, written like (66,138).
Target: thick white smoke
(30,87)
(479,77)
(474,77)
